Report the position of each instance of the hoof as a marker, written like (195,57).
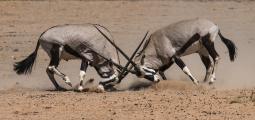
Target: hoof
(80,88)
(100,89)
(211,83)
(196,82)
(67,81)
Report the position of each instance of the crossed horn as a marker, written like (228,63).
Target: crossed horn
(124,71)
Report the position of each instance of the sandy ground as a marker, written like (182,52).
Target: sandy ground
(26,97)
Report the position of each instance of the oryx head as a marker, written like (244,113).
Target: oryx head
(138,69)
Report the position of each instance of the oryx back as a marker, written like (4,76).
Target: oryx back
(83,39)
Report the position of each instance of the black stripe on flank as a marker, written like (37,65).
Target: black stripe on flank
(71,51)
(193,39)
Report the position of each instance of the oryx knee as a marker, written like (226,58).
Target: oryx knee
(217,59)
(52,69)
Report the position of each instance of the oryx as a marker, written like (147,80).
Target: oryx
(81,41)
(167,45)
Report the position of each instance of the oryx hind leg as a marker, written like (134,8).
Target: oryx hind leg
(185,69)
(53,80)
(204,55)
(209,45)
(54,62)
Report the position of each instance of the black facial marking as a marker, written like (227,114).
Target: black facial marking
(193,39)
(149,77)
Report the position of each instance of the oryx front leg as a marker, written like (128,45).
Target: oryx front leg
(185,69)
(83,69)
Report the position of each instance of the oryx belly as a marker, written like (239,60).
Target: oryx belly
(193,48)
(67,56)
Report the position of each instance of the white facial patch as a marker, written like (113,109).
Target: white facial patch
(110,78)
(147,71)
(156,78)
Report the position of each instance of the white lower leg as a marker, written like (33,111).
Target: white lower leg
(208,74)
(82,76)
(63,76)
(213,77)
(187,71)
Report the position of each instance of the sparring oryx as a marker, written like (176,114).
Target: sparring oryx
(68,42)
(167,45)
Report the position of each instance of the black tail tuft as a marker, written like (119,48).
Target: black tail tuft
(25,66)
(230,45)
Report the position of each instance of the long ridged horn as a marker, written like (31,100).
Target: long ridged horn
(109,40)
(123,74)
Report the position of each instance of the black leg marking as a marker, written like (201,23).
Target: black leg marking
(52,68)
(206,61)
(55,55)
(54,61)
(209,45)
(162,74)
(164,68)
(208,64)
(179,62)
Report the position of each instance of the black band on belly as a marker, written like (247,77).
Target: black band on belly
(71,51)
(193,39)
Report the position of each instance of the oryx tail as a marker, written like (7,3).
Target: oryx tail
(230,45)
(25,66)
